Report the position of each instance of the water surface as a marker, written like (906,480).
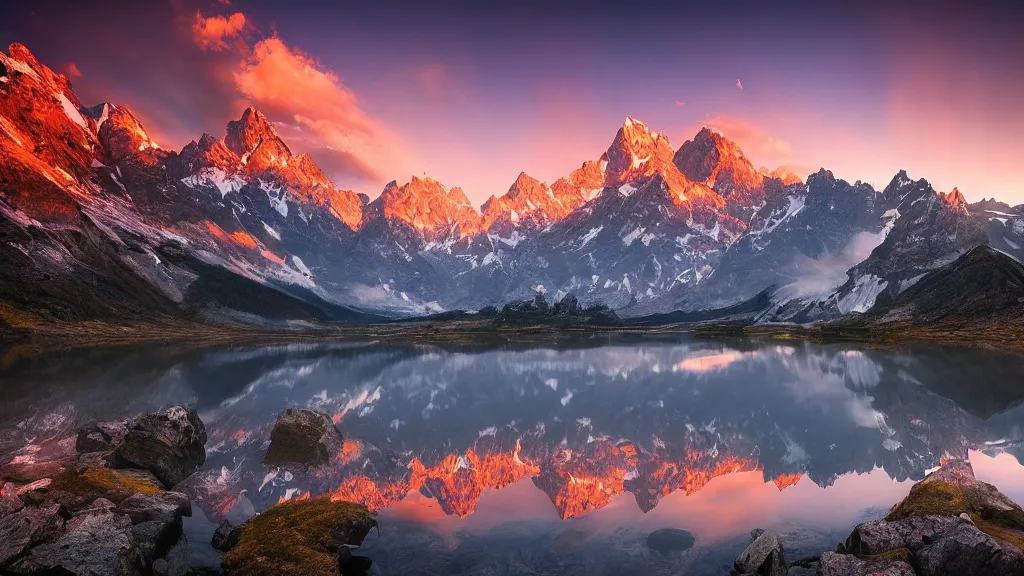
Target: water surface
(561,457)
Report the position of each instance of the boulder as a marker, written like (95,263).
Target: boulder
(175,563)
(101,436)
(170,444)
(880,536)
(950,523)
(299,537)
(763,557)
(157,524)
(967,551)
(9,501)
(94,544)
(302,438)
(226,536)
(670,540)
(26,528)
(833,564)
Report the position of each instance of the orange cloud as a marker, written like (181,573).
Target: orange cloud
(433,79)
(211,33)
(72,71)
(285,83)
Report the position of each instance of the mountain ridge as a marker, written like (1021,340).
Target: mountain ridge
(643,228)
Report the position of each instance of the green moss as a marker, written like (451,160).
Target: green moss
(934,497)
(297,537)
(97,482)
(931,497)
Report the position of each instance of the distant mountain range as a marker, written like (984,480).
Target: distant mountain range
(97,222)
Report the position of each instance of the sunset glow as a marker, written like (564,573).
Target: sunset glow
(473,95)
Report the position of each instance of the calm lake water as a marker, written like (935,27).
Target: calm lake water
(558,458)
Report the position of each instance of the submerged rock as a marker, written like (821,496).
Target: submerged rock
(764,556)
(302,438)
(670,540)
(300,537)
(170,444)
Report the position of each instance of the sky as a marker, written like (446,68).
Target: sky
(472,93)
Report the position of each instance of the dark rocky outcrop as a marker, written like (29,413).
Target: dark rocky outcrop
(170,444)
(302,439)
(90,519)
(226,536)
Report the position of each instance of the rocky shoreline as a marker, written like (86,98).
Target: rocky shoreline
(950,523)
(110,504)
(111,501)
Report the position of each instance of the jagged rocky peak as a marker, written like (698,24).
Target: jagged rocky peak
(427,206)
(718,162)
(120,132)
(636,152)
(528,203)
(581,185)
(249,132)
(954,199)
(208,152)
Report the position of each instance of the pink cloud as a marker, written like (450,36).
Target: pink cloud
(287,84)
(739,84)
(212,33)
(756,142)
(680,103)
(72,71)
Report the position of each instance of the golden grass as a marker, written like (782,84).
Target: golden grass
(295,537)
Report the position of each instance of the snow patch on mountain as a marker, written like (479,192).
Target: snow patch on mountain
(862,297)
(631,236)
(72,111)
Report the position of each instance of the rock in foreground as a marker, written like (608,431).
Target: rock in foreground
(309,537)
(170,444)
(950,523)
(302,438)
(90,519)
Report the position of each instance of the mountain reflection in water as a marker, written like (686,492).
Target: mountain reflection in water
(475,459)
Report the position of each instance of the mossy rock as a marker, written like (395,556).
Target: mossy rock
(298,537)
(953,491)
(87,484)
(302,438)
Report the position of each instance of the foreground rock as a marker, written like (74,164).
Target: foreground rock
(170,444)
(309,537)
(764,556)
(92,519)
(950,523)
(302,439)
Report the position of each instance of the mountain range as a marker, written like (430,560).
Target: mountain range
(98,222)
